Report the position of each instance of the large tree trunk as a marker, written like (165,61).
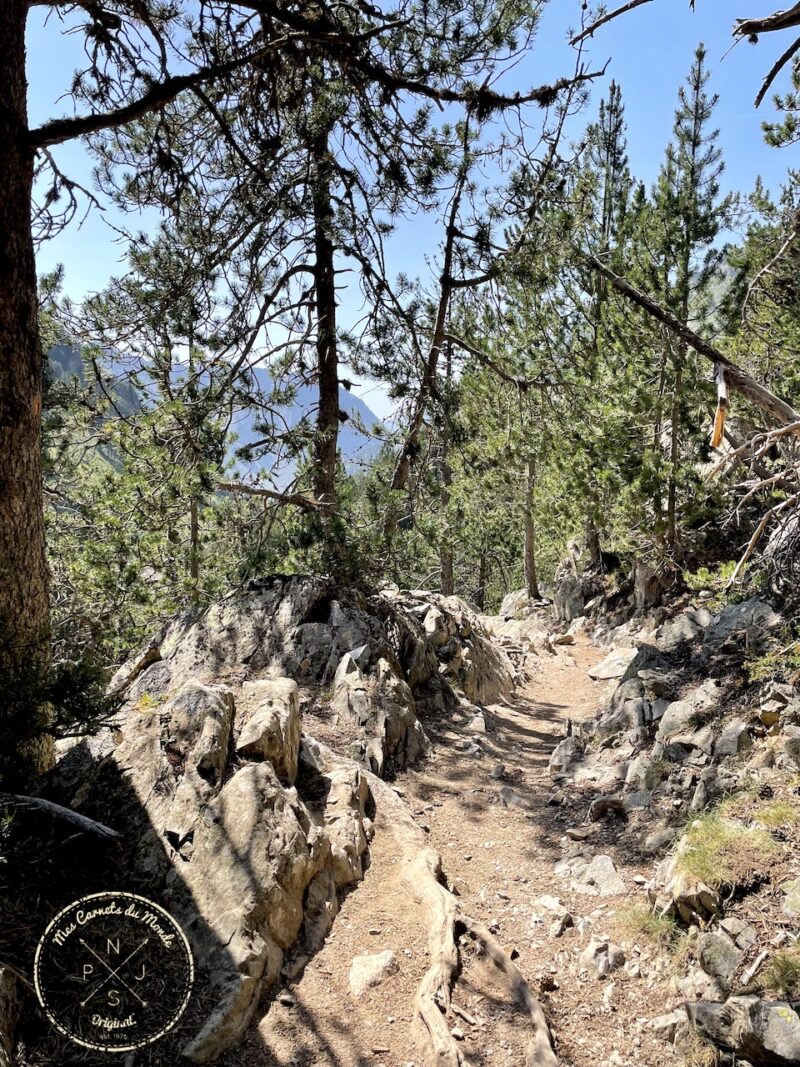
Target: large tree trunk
(24,615)
(327,356)
(531,581)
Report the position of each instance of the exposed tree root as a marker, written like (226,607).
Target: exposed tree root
(425,885)
(433,994)
(540,1050)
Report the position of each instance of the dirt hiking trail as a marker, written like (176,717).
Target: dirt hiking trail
(489,806)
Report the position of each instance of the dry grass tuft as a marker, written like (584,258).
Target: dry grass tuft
(722,852)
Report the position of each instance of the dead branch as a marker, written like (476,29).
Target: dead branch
(737,378)
(755,447)
(608,17)
(779,20)
(752,544)
(298,500)
(83,822)
(775,70)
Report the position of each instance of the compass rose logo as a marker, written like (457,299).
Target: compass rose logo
(113,971)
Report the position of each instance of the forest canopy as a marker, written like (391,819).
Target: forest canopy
(594,363)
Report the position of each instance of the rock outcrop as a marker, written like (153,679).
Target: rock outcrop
(246,825)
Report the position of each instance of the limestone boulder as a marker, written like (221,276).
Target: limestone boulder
(757,1031)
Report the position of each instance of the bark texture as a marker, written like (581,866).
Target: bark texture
(327,356)
(24,616)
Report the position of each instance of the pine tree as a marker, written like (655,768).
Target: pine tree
(688,214)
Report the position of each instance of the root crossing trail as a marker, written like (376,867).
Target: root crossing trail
(488,817)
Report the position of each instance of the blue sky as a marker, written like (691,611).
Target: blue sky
(650,50)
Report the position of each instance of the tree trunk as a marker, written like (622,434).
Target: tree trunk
(674,456)
(194,548)
(592,537)
(327,358)
(446,576)
(531,583)
(480,592)
(24,610)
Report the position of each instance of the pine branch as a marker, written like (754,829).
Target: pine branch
(520,383)
(57,131)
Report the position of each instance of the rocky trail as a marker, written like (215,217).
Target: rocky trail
(484,801)
(400,834)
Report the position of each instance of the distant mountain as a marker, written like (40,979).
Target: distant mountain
(355,445)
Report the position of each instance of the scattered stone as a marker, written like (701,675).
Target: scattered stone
(479,724)
(638,800)
(719,957)
(558,926)
(563,639)
(666,1026)
(733,739)
(601,877)
(751,620)
(369,970)
(674,633)
(601,956)
(681,715)
(578,833)
(790,904)
(676,892)
(659,839)
(509,798)
(563,754)
(497,771)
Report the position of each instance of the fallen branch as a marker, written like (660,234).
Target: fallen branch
(758,534)
(59,812)
(737,378)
